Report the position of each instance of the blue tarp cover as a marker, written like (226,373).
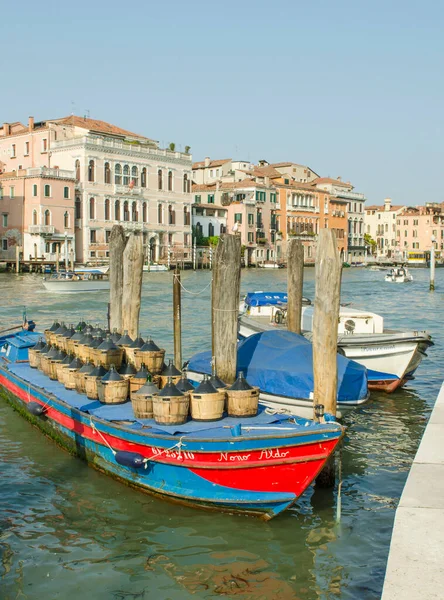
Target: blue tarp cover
(281,363)
(265,298)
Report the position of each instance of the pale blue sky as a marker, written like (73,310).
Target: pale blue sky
(351,88)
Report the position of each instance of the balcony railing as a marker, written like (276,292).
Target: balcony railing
(339,191)
(41,229)
(301,208)
(48,172)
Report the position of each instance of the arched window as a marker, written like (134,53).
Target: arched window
(107,209)
(66,220)
(125,211)
(107,173)
(117,210)
(134,214)
(135,176)
(47,217)
(92,208)
(144,214)
(159,179)
(186,216)
(34,217)
(47,191)
(78,209)
(159,213)
(170,181)
(223,229)
(77,168)
(143,177)
(118,174)
(171,215)
(91,170)
(185,183)
(126,172)
(199,229)
(210,229)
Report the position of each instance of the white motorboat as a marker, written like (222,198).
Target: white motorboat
(398,275)
(155,267)
(90,280)
(269,265)
(391,357)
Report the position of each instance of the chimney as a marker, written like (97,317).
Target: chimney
(6,128)
(387,204)
(207,161)
(31,123)
(339,178)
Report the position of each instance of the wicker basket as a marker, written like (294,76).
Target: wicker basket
(207,407)
(135,385)
(69,378)
(112,392)
(61,370)
(242,403)
(171,410)
(34,358)
(91,387)
(52,368)
(106,358)
(163,380)
(153,360)
(142,406)
(44,363)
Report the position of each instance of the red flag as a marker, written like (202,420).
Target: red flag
(132,184)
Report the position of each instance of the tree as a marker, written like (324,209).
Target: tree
(370,242)
(172,147)
(187,149)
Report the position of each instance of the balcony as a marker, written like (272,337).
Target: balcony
(341,193)
(300,208)
(125,190)
(47,172)
(41,229)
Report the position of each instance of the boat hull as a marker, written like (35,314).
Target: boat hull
(250,474)
(67,286)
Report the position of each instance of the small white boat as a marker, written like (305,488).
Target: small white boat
(91,280)
(391,357)
(398,275)
(155,267)
(269,265)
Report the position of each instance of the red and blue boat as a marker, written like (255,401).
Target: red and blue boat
(256,466)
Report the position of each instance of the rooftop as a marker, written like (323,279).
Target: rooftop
(95,125)
(213,163)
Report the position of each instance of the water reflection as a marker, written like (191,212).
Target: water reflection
(66,529)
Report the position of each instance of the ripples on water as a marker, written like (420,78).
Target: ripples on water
(66,530)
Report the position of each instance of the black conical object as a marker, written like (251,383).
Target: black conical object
(96,341)
(99,371)
(115,336)
(142,373)
(75,364)
(54,326)
(125,340)
(107,344)
(40,345)
(46,348)
(70,331)
(87,368)
(127,369)
(68,359)
(60,356)
(138,343)
(205,387)
(149,388)
(150,346)
(77,336)
(170,370)
(170,389)
(184,385)
(87,332)
(81,325)
(53,352)
(112,375)
(87,339)
(216,382)
(241,384)
(61,329)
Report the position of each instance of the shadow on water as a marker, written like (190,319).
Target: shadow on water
(67,529)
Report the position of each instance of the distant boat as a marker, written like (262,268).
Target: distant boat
(270,265)
(155,267)
(89,280)
(398,275)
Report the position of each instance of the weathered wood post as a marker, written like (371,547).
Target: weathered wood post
(17,259)
(295,283)
(325,333)
(57,260)
(177,318)
(432,265)
(225,305)
(132,283)
(71,257)
(117,244)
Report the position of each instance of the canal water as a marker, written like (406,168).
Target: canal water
(68,532)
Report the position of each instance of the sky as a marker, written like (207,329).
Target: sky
(350,88)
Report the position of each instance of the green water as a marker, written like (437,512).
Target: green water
(68,532)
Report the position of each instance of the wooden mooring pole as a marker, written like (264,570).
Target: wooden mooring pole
(295,283)
(132,283)
(325,334)
(17,259)
(57,260)
(117,244)
(177,318)
(225,305)
(432,265)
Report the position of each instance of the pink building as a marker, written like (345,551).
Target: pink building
(418,227)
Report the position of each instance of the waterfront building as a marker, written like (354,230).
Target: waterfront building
(355,213)
(418,227)
(120,177)
(380,224)
(209,217)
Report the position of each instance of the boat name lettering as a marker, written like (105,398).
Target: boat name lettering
(273,454)
(173,454)
(233,457)
(377,348)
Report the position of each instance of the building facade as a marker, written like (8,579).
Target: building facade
(418,228)
(381,225)
(120,178)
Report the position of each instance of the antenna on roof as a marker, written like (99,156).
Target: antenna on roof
(86,115)
(73,108)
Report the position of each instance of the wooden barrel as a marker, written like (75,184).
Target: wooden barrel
(142,406)
(112,392)
(207,407)
(79,377)
(153,360)
(52,370)
(34,354)
(242,403)
(69,380)
(91,380)
(106,358)
(171,410)
(61,370)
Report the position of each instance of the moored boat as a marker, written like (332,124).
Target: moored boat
(90,280)
(258,465)
(398,275)
(155,267)
(391,357)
